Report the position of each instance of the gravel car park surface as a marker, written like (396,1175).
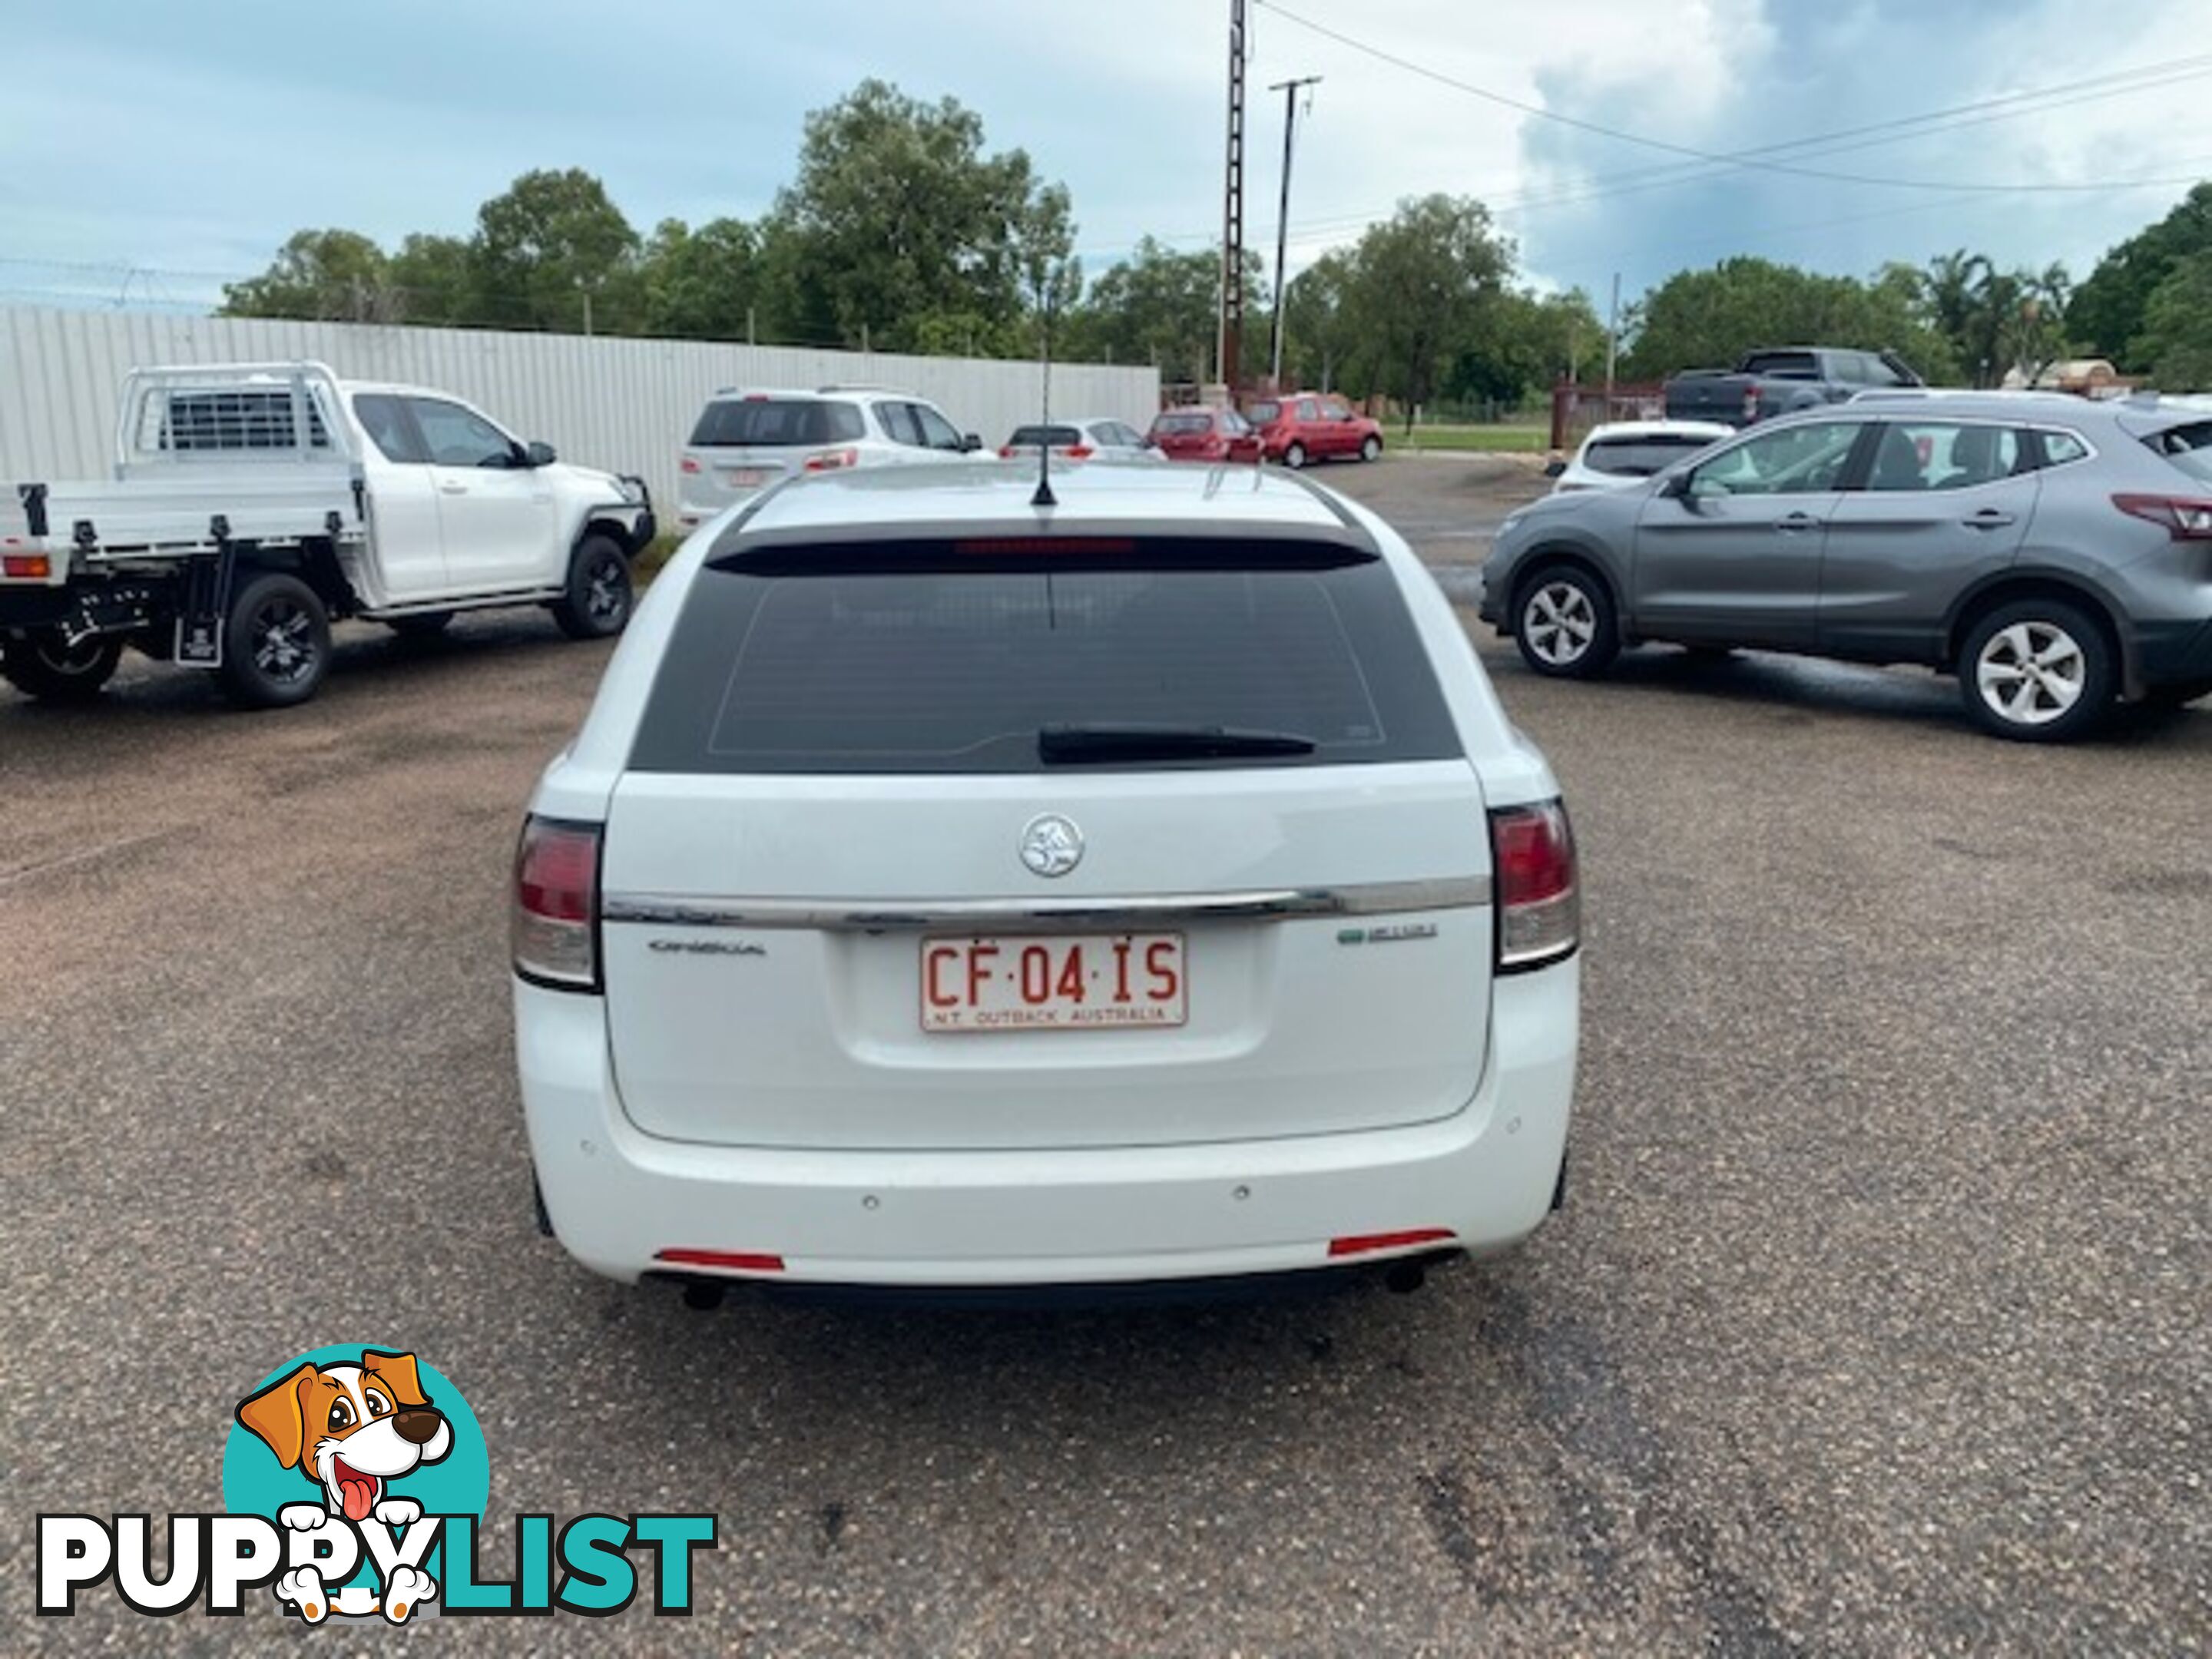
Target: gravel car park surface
(1875,1323)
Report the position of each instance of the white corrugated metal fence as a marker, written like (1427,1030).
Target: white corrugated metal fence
(622,404)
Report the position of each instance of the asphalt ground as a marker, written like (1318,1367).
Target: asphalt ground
(1875,1323)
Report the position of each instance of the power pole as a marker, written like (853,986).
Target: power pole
(1232,349)
(1612,345)
(1290,91)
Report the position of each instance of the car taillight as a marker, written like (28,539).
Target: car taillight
(553,928)
(2184,518)
(1078,452)
(26,566)
(1750,404)
(690,464)
(1006,452)
(1539,900)
(831,460)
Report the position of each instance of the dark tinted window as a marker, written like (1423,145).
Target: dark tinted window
(1639,458)
(385,419)
(2189,448)
(775,423)
(1031,437)
(1263,413)
(1785,365)
(1197,421)
(900,659)
(937,432)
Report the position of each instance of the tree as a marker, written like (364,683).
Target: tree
(1709,319)
(701,284)
(433,282)
(1324,340)
(2109,311)
(319,276)
(1521,343)
(898,224)
(2176,340)
(1157,307)
(1420,281)
(553,252)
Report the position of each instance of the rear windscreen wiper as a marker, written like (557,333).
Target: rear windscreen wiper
(1080,745)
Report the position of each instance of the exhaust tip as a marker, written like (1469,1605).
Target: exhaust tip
(1404,1277)
(703,1295)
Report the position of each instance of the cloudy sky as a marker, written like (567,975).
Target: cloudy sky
(184,141)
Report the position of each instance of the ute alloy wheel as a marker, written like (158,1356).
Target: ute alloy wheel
(1564,624)
(276,643)
(2037,671)
(45,668)
(600,594)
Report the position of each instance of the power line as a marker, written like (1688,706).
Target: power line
(1748,159)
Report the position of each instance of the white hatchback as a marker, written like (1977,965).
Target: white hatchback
(950,891)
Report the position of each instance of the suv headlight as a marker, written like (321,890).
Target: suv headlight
(633,490)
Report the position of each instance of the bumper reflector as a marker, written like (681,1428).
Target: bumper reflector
(1361,1243)
(737,1261)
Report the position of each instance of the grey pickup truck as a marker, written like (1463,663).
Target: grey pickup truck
(1780,382)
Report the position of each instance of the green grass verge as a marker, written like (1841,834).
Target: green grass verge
(1486,440)
(647,565)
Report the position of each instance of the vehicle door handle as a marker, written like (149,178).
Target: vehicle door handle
(1800,520)
(455,489)
(1988,519)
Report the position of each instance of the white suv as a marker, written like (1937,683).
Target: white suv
(746,440)
(950,891)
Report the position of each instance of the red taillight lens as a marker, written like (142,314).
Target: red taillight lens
(553,928)
(1078,452)
(26,566)
(1362,1244)
(832,460)
(1750,403)
(690,464)
(1539,899)
(2184,518)
(732,1262)
(1006,452)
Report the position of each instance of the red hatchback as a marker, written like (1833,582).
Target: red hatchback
(1205,434)
(1313,426)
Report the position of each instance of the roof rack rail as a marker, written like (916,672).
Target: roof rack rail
(864,386)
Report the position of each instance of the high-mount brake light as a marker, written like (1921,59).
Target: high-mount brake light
(1000,547)
(1539,897)
(554,926)
(2184,518)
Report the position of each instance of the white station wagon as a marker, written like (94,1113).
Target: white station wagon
(951,893)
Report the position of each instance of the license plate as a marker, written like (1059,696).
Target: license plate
(746,477)
(1054,982)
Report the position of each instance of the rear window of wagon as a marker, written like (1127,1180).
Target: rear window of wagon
(906,658)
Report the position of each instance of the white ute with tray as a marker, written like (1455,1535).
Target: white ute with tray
(252,503)
(952,891)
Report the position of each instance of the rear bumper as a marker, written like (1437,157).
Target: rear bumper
(2174,653)
(617,1197)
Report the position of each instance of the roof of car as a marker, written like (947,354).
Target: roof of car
(973,496)
(1661,429)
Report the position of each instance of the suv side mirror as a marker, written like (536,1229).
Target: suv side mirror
(1676,486)
(538,454)
(1555,469)
(970,443)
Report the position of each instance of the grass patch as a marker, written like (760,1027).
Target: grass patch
(647,565)
(1485,439)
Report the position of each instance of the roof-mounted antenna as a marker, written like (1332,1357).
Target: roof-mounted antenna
(1044,497)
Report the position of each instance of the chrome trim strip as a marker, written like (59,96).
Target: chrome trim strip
(1015,915)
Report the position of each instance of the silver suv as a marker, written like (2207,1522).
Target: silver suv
(2055,554)
(747,440)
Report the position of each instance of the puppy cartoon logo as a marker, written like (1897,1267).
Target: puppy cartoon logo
(354,1483)
(352,1430)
